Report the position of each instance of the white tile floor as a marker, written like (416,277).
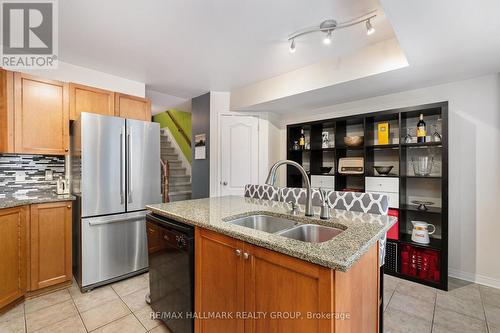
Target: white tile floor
(466,307)
(120,307)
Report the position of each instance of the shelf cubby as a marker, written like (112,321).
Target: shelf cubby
(397,153)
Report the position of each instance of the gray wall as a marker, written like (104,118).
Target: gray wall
(200,169)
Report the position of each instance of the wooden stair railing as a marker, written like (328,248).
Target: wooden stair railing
(164,181)
(179,128)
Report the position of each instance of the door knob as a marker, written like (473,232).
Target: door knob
(224,183)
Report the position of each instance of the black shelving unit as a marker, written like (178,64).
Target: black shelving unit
(400,121)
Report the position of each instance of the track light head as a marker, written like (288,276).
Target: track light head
(369,28)
(328,38)
(292,46)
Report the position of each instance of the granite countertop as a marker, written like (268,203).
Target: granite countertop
(361,230)
(9,200)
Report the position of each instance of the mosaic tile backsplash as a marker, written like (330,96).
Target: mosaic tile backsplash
(33,168)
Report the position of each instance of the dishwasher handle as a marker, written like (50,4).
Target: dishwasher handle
(168,224)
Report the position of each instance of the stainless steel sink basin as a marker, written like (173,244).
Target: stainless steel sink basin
(311,233)
(265,223)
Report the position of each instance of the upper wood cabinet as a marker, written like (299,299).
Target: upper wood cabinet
(51,250)
(13,250)
(6,111)
(41,115)
(87,99)
(132,107)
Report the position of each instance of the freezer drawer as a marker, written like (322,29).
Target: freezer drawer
(113,246)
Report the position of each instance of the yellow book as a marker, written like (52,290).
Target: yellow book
(383,133)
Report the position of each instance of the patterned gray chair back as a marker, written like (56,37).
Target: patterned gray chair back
(372,203)
(299,195)
(265,192)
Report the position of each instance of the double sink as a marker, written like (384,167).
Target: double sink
(310,233)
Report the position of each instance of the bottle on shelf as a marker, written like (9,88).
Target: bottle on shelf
(302,139)
(421,131)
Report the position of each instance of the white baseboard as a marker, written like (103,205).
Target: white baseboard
(476,278)
(165,131)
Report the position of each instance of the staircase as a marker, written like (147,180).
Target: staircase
(179,182)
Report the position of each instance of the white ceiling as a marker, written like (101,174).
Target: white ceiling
(443,41)
(187,47)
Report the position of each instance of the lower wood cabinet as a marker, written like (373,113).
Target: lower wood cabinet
(50,245)
(282,293)
(13,253)
(219,280)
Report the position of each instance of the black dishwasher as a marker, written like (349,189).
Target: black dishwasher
(171,272)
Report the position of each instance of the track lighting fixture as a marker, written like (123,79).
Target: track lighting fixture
(329,26)
(328,38)
(292,46)
(369,28)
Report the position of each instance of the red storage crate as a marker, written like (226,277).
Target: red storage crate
(393,233)
(420,263)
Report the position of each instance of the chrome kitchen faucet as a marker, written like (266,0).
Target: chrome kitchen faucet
(271,180)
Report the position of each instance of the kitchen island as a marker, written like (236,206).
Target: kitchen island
(249,280)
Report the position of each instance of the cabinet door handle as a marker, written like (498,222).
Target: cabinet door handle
(246,256)
(66,150)
(68,206)
(238,252)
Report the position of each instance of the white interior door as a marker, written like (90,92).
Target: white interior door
(239,153)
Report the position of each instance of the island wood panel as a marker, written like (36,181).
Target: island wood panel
(88,99)
(219,281)
(282,285)
(51,256)
(357,292)
(41,115)
(132,107)
(6,111)
(14,253)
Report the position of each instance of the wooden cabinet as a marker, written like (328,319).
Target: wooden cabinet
(280,291)
(6,111)
(132,107)
(88,99)
(41,115)
(50,233)
(13,253)
(277,283)
(219,281)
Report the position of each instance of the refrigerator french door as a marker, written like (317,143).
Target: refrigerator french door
(118,173)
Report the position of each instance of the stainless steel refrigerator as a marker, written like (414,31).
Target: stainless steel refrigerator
(115,168)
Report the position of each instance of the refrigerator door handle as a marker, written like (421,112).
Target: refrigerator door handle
(129,167)
(115,220)
(122,192)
